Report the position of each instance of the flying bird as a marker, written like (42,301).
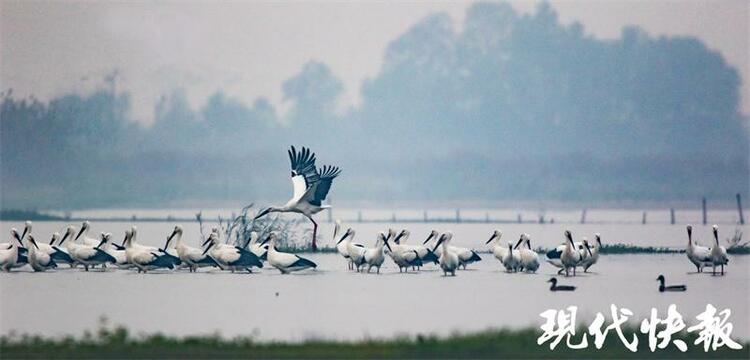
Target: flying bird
(311,186)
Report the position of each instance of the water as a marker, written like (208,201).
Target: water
(335,303)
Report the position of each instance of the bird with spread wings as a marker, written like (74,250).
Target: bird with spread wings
(311,186)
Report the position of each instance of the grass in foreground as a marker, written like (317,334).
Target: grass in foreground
(118,343)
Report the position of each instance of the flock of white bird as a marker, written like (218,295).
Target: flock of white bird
(310,186)
(78,248)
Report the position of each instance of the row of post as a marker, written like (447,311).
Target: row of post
(644,217)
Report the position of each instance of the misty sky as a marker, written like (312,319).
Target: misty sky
(248,49)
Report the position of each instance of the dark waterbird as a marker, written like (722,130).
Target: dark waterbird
(663,288)
(556,287)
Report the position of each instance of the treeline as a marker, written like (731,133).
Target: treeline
(513,107)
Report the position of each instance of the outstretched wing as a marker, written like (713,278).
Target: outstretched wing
(304,174)
(318,191)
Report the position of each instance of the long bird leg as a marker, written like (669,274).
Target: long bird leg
(315,233)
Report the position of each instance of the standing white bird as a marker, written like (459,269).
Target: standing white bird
(570,257)
(529,259)
(512,260)
(589,261)
(259,249)
(86,254)
(342,244)
(231,257)
(84,234)
(311,186)
(191,256)
(286,262)
(145,258)
(117,251)
(449,261)
(38,259)
(700,256)
(22,258)
(374,257)
(465,256)
(718,252)
(356,251)
(498,249)
(9,255)
(56,254)
(425,254)
(403,256)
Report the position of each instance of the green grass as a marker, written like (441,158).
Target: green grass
(119,343)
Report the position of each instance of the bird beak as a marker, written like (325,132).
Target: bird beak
(398,237)
(79,233)
(33,242)
(15,234)
(429,237)
(166,245)
(589,249)
(209,246)
(206,242)
(262,213)
(51,241)
(491,237)
(440,241)
(343,237)
(267,239)
(25,229)
(127,236)
(518,243)
(104,240)
(386,244)
(64,237)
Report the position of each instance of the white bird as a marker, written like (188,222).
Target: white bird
(286,262)
(498,249)
(311,186)
(259,249)
(589,261)
(448,260)
(403,256)
(374,257)
(86,254)
(465,256)
(9,255)
(38,259)
(22,258)
(342,245)
(116,251)
(193,257)
(512,260)
(356,251)
(425,254)
(718,252)
(84,233)
(231,257)
(700,256)
(529,259)
(554,255)
(571,257)
(145,258)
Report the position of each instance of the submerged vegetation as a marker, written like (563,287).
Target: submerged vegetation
(118,342)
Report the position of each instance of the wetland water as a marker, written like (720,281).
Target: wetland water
(335,303)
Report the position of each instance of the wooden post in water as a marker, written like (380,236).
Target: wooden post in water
(520,219)
(541,218)
(487,217)
(458,215)
(359,216)
(583,216)
(739,209)
(393,217)
(643,220)
(671,216)
(424,214)
(705,217)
